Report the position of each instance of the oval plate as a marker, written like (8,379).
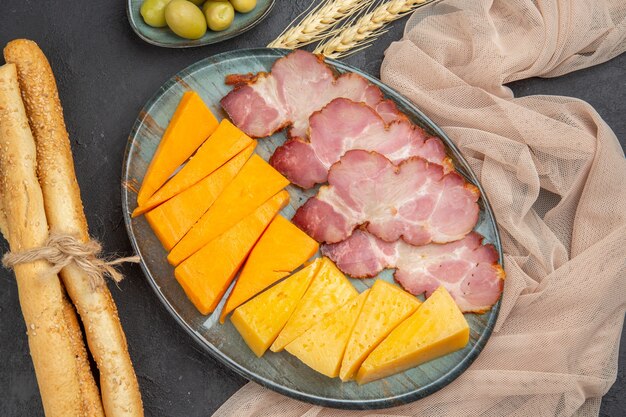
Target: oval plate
(280,371)
(168,39)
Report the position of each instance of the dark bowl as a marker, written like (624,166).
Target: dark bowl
(166,38)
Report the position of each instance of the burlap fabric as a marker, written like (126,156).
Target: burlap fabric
(556,177)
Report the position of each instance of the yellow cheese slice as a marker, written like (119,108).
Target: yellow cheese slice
(206,275)
(386,306)
(329,290)
(437,328)
(226,142)
(254,184)
(261,319)
(191,124)
(282,248)
(172,219)
(323,345)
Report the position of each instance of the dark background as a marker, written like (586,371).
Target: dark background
(105,74)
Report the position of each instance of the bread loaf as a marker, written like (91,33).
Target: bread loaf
(24,226)
(64,209)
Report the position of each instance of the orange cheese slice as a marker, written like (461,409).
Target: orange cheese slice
(386,306)
(206,275)
(323,345)
(172,219)
(329,290)
(435,329)
(282,248)
(226,142)
(260,320)
(190,125)
(254,184)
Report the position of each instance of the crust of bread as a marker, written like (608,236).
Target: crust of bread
(64,209)
(92,404)
(25,227)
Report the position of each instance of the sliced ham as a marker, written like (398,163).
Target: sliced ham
(469,270)
(415,201)
(298,84)
(343,125)
(388,110)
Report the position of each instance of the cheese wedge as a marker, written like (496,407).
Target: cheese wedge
(190,125)
(282,248)
(386,306)
(323,345)
(329,290)
(206,275)
(172,219)
(254,184)
(437,328)
(260,320)
(226,142)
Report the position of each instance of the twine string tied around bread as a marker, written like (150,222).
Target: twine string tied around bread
(60,250)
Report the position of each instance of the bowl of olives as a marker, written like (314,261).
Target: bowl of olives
(189,23)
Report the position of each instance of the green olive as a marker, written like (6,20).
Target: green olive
(185,19)
(219,15)
(197,2)
(243,6)
(153,12)
(207,3)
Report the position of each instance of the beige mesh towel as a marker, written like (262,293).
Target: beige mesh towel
(554,173)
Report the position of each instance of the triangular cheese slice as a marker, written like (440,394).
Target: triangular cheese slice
(437,328)
(254,184)
(323,345)
(172,219)
(226,142)
(206,275)
(386,306)
(191,124)
(329,290)
(282,248)
(261,319)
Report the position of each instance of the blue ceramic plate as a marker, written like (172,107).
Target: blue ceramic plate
(280,371)
(168,39)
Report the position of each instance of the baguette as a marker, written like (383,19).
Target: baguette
(24,226)
(64,209)
(91,402)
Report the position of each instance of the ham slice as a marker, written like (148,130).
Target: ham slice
(343,125)
(298,84)
(414,201)
(388,110)
(466,268)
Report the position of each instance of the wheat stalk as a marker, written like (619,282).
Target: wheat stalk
(318,21)
(366,28)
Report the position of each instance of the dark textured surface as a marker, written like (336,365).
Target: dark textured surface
(105,74)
